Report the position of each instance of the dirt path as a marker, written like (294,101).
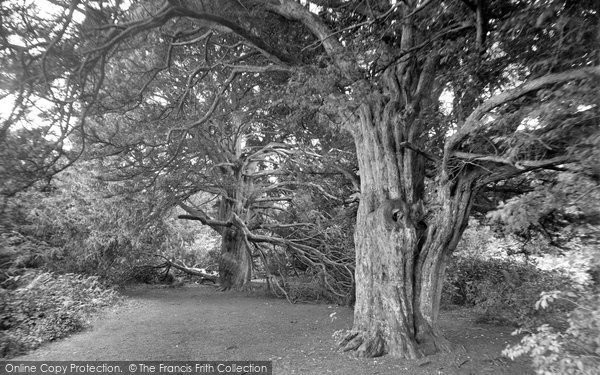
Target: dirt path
(200,323)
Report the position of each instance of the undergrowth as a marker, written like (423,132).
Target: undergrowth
(38,306)
(574,349)
(502,291)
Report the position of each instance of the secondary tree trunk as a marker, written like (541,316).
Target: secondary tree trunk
(235,266)
(401,247)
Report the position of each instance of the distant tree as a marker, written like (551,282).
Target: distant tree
(241,154)
(446,101)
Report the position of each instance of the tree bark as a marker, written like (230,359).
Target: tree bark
(401,252)
(235,266)
(402,238)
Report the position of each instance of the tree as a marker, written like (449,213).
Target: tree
(81,224)
(522,78)
(238,155)
(35,113)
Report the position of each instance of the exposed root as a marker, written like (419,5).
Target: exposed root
(364,346)
(352,341)
(374,346)
(432,343)
(369,345)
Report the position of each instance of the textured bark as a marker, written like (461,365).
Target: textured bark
(400,251)
(235,266)
(402,239)
(236,263)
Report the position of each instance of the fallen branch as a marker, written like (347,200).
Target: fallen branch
(188,270)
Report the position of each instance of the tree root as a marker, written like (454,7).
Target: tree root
(434,343)
(364,345)
(369,345)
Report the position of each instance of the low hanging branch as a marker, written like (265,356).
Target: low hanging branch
(340,271)
(196,214)
(335,272)
(188,270)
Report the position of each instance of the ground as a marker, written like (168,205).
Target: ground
(201,323)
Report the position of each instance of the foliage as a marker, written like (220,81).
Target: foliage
(561,206)
(480,241)
(37,306)
(20,251)
(571,350)
(184,97)
(209,259)
(146,274)
(303,288)
(83,225)
(35,118)
(329,230)
(501,290)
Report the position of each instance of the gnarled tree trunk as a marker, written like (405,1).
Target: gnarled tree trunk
(401,245)
(235,266)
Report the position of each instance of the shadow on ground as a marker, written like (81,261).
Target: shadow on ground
(201,323)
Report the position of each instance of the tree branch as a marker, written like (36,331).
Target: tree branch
(188,270)
(473,122)
(525,166)
(196,214)
(519,164)
(293,225)
(169,11)
(419,151)
(293,10)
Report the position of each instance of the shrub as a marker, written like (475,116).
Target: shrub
(572,350)
(144,274)
(44,306)
(307,290)
(20,251)
(501,290)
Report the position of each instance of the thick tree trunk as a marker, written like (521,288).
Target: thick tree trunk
(400,251)
(235,266)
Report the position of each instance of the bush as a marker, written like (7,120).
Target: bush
(43,306)
(308,290)
(145,275)
(20,251)
(572,350)
(501,290)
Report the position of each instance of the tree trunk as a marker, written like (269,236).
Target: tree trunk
(400,251)
(235,266)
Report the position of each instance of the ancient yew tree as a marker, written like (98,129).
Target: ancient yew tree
(235,170)
(445,100)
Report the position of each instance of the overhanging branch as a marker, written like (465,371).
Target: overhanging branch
(525,166)
(196,214)
(518,164)
(473,122)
